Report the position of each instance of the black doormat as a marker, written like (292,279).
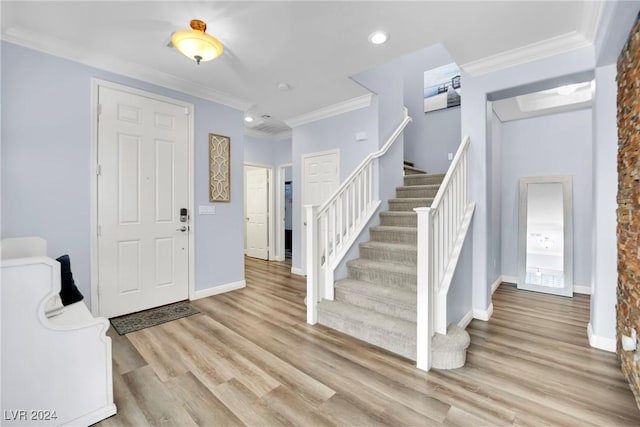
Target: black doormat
(152,317)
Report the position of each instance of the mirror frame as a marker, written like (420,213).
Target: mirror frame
(567,201)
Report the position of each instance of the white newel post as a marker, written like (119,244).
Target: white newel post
(312,264)
(425,291)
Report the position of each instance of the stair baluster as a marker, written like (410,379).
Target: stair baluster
(442,229)
(328,239)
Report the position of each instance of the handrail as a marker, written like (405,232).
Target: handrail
(442,228)
(381,152)
(334,227)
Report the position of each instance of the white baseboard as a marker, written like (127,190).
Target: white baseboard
(577,289)
(278,258)
(586,290)
(495,284)
(483,314)
(466,319)
(510,279)
(602,343)
(220,289)
(297,271)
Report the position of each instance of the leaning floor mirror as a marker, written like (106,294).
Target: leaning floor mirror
(545,235)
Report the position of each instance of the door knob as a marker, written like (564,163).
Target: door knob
(183,228)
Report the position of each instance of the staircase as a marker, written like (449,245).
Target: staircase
(377,301)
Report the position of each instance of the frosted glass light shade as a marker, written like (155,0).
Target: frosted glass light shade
(196,44)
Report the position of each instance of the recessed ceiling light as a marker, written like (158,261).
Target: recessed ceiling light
(248,119)
(283,86)
(378,37)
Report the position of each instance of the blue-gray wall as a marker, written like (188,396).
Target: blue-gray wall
(557,144)
(328,134)
(431,136)
(266,151)
(46,105)
(475,123)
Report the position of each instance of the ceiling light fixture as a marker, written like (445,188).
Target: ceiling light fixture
(248,119)
(196,44)
(378,37)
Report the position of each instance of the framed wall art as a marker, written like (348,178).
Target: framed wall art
(442,88)
(219,168)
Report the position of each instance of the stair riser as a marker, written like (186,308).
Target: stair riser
(399,221)
(400,205)
(391,279)
(381,338)
(406,257)
(422,179)
(416,192)
(393,237)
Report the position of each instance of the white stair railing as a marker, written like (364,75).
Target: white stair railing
(334,227)
(441,232)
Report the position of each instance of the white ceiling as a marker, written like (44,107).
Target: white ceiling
(312,46)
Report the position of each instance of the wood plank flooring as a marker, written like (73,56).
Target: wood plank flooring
(250,359)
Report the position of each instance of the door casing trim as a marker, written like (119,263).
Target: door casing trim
(93,180)
(270,205)
(280,215)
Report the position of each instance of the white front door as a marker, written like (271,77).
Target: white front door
(143,183)
(257,215)
(320,180)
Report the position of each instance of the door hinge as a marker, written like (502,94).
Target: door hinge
(99,230)
(98,169)
(99,109)
(186,111)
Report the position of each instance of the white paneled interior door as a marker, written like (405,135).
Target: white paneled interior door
(320,180)
(143,182)
(257,215)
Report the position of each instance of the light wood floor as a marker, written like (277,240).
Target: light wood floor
(250,359)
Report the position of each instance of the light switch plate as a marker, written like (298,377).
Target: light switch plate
(207,209)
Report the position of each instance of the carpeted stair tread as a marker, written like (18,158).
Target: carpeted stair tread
(412,170)
(377,301)
(412,199)
(385,266)
(456,339)
(409,203)
(423,179)
(394,234)
(427,190)
(450,351)
(393,275)
(399,218)
(389,332)
(378,298)
(402,253)
(394,229)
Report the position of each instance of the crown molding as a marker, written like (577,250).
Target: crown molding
(280,136)
(591,17)
(60,49)
(331,110)
(522,55)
